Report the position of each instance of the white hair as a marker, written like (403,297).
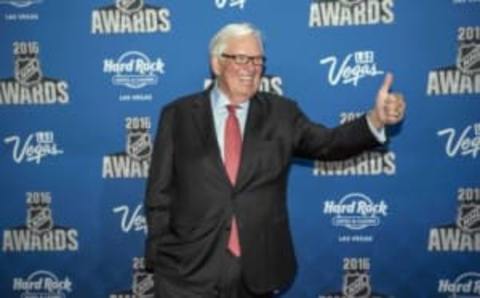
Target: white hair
(219,42)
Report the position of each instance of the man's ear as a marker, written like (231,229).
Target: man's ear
(215,65)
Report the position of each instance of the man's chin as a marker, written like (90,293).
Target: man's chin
(249,91)
(248,95)
(242,97)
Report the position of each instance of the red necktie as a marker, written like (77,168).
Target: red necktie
(232,151)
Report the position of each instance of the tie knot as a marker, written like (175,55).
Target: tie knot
(231,109)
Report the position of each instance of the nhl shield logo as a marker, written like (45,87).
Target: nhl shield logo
(142,285)
(129,6)
(27,71)
(139,145)
(356,285)
(468,59)
(39,219)
(468,218)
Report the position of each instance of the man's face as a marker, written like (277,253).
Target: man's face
(239,81)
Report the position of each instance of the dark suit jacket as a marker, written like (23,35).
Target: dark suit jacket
(190,200)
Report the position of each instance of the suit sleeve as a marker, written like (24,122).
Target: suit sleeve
(315,141)
(160,189)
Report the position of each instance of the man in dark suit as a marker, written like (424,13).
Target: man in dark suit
(216,193)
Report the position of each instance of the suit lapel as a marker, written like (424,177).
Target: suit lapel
(203,118)
(250,138)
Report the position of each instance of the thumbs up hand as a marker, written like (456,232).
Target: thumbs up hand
(389,107)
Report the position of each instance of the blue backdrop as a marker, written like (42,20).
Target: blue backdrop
(81,86)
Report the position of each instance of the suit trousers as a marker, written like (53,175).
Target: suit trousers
(229,285)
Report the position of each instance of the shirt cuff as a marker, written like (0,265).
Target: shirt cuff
(378,133)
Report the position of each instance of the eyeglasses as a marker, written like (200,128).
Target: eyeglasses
(244,59)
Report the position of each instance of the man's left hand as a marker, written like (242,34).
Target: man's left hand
(389,107)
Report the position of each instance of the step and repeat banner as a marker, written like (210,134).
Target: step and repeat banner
(81,87)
